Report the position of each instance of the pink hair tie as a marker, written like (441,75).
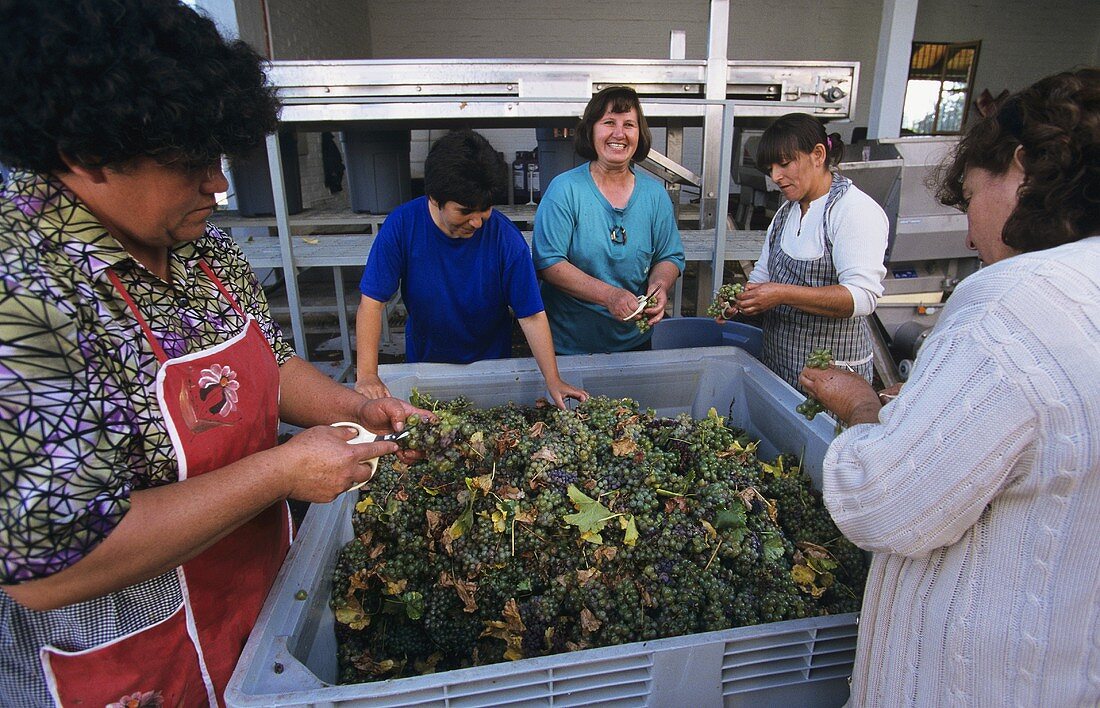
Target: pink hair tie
(829,141)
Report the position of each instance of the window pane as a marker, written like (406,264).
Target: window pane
(952,106)
(919,112)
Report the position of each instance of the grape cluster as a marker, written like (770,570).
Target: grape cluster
(725,299)
(818,359)
(528,531)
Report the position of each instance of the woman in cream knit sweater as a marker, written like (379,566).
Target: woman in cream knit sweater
(978,488)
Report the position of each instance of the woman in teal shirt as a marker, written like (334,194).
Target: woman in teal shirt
(606,233)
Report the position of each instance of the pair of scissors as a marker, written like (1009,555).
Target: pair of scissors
(366,436)
(642,300)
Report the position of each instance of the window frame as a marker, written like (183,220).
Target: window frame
(949,49)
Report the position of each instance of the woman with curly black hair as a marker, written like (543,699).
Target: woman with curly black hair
(142,378)
(978,487)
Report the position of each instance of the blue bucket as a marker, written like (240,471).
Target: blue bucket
(684,332)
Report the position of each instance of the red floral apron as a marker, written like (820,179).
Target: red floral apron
(220,405)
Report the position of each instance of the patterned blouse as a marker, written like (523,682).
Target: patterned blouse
(80,427)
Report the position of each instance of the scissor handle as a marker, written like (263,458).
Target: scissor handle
(364,436)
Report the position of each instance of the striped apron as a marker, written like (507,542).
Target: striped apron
(791,334)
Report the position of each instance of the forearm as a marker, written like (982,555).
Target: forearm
(573,281)
(827,301)
(368,336)
(307,397)
(536,329)
(164,527)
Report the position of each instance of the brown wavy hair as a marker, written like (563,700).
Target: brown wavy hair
(617,99)
(1057,122)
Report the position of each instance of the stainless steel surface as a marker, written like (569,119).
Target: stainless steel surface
(760,88)
(669,170)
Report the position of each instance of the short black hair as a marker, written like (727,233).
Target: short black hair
(795,133)
(617,99)
(105,83)
(463,167)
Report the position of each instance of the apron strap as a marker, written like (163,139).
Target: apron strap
(153,342)
(229,298)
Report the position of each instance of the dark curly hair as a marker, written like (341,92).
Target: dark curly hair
(1057,122)
(463,167)
(794,133)
(617,99)
(105,82)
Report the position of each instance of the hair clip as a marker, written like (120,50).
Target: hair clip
(618,234)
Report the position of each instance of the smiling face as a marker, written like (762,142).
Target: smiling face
(990,199)
(456,220)
(803,177)
(615,138)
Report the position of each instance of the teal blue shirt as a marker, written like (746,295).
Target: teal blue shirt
(574,223)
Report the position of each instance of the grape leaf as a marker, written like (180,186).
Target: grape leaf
(414,605)
(350,612)
(773,545)
(630,529)
(591,515)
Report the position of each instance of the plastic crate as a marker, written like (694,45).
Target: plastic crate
(556,153)
(252,178)
(682,332)
(378,169)
(290,657)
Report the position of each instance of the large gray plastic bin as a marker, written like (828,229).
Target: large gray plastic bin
(290,658)
(378,169)
(252,178)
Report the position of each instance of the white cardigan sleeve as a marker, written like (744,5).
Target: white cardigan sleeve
(955,437)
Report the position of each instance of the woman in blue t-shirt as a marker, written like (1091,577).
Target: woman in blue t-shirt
(606,233)
(462,269)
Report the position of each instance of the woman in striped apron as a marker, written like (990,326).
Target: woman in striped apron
(820,272)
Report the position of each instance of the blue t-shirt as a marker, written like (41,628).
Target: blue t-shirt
(456,291)
(573,223)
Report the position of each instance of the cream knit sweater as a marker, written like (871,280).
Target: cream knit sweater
(979,494)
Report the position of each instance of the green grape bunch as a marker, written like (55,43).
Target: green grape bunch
(725,299)
(818,359)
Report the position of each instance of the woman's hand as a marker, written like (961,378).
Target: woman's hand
(621,303)
(560,390)
(845,394)
(387,415)
(656,311)
(320,465)
(371,387)
(758,298)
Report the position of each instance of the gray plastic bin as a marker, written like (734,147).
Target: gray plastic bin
(378,169)
(290,657)
(682,332)
(556,153)
(252,178)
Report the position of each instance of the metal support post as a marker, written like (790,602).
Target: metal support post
(717,77)
(722,204)
(282,221)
